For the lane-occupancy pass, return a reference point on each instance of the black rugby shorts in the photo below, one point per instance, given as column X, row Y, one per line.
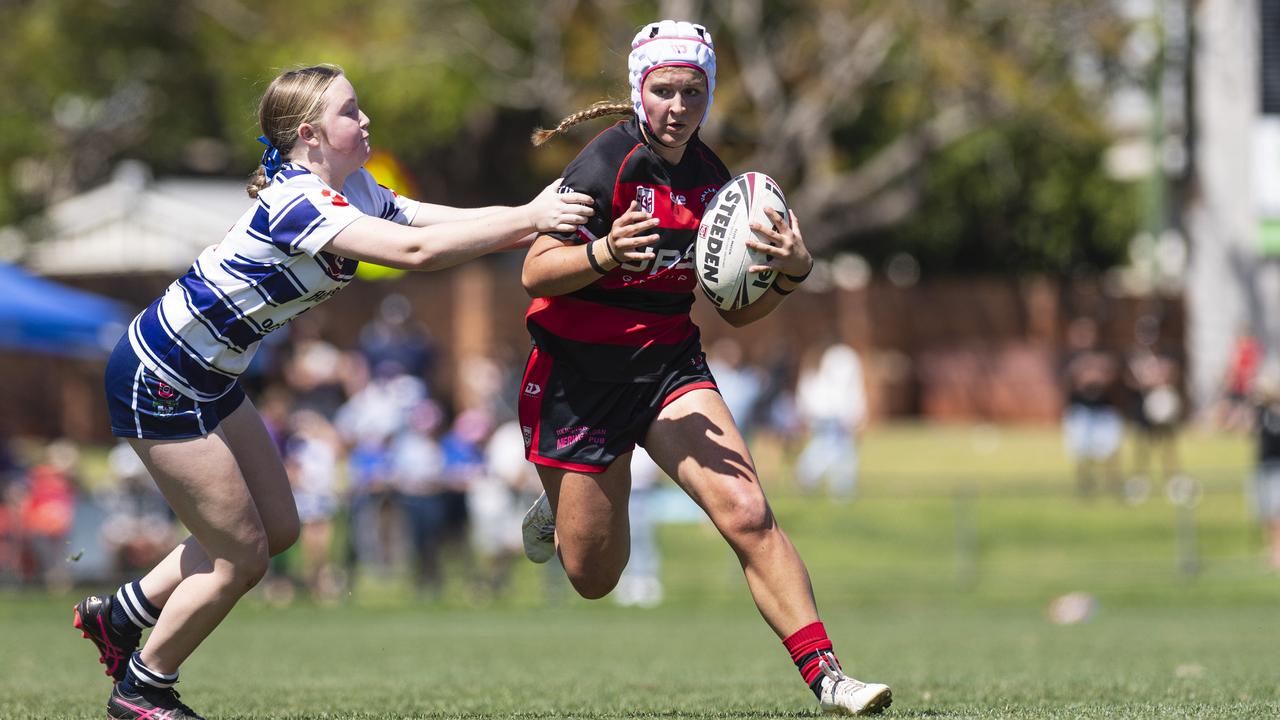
column 573, row 423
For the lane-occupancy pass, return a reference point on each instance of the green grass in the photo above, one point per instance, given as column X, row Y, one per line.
column 945, row 659
column 935, row 580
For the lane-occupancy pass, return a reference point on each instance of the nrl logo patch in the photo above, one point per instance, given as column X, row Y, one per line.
column 644, row 198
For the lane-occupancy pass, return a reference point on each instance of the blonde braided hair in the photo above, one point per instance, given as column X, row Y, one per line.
column 599, row 109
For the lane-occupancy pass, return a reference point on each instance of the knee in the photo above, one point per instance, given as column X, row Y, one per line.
column 247, row 572
column 594, row 586
column 282, row 534
column 245, row 568
column 591, row 578
column 745, row 514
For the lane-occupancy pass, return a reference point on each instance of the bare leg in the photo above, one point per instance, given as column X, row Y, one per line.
column 264, row 475
column 204, row 481
column 593, row 532
column 695, row 441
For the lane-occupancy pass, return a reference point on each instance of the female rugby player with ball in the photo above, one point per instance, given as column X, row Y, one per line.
column 172, row 387
column 617, row 359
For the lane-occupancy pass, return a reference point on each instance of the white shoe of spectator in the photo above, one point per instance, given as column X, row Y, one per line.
column 539, row 531
column 842, row 695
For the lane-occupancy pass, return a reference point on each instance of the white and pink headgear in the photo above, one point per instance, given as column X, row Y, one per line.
column 671, row 43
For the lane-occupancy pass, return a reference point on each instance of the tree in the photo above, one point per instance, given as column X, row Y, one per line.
column 969, row 133
column 953, row 129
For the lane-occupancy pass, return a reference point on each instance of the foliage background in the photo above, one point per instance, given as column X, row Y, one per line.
column 967, row 133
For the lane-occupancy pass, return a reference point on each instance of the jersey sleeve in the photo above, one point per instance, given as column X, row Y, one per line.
column 309, row 217
column 365, row 193
column 376, row 200
column 593, row 173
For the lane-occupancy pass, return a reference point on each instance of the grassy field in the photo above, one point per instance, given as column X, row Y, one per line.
column 934, row 579
column 945, row 658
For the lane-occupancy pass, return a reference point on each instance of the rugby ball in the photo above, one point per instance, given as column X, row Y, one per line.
column 720, row 251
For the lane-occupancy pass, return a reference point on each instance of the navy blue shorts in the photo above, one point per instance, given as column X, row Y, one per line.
column 141, row 405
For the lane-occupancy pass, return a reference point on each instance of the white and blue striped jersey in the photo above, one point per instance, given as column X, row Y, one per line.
column 269, row 268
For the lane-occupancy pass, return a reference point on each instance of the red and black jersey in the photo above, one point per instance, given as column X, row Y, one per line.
column 632, row 323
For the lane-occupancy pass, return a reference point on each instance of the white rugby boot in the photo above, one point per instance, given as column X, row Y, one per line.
column 842, row 695
column 538, row 530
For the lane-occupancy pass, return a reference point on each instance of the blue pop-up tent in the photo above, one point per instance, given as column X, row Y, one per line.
column 39, row 315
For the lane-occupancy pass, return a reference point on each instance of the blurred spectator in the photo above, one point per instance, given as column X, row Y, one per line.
column 1235, row 407
column 417, row 473
column 10, row 498
column 481, row 386
column 1092, row 425
column 46, row 513
column 464, row 462
column 831, row 400
column 775, row 409
column 139, row 527
column 510, row 361
column 740, row 384
column 313, row 369
column 1267, row 478
column 641, row 581
column 392, row 338
column 379, row 408
column 312, row 455
column 1157, row 413
column 371, row 510
column 367, row 422
column 276, row 406
column 496, row 501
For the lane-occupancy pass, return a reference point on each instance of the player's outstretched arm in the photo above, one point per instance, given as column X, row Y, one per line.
column 555, row 267
column 429, row 214
column 788, row 256
column 445, row 244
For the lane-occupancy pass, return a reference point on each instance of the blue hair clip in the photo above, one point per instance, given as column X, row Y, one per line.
column 271, row 160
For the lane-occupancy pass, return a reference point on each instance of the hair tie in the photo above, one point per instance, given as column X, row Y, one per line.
column 271, row 161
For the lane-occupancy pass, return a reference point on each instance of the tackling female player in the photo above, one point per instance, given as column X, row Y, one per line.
column 172, row 386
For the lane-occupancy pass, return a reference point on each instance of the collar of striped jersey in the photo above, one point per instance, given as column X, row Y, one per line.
column 290, row 170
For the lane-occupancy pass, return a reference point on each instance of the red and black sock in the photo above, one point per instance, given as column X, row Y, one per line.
column 808, row 647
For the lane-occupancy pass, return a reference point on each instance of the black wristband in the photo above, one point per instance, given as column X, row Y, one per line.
column 778, row 289
column 797, row 279
column 609, row 247
column 591, row 257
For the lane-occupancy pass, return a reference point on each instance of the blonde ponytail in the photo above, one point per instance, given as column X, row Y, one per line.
column 257, row 181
